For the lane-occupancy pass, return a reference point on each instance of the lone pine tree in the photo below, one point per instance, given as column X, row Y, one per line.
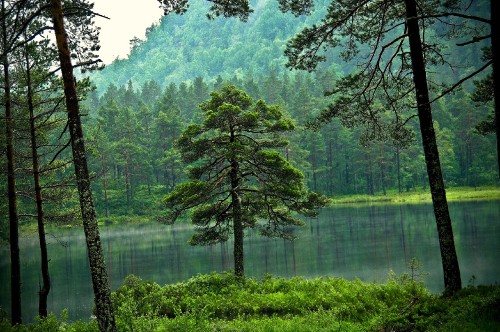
column 238, row 178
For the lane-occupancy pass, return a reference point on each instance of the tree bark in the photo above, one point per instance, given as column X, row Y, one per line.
column 15, row 269
column 43, row 293
column 451, row 270
column 102, row 293
column 105, row 184
column 237, row 218
column 495, row 45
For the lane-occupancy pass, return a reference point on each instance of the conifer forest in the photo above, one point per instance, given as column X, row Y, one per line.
column 239, row 119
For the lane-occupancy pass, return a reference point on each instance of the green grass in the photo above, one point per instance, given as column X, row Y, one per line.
column 223, row 302
column 421, row 196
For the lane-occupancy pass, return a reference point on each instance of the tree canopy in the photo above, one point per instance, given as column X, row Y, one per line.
column 238, row 179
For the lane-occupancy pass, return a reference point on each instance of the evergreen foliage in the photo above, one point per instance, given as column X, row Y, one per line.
column 238, row 179
column 332, row 159
column 181, row 48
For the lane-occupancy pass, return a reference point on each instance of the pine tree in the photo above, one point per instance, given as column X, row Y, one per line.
column 237, row 179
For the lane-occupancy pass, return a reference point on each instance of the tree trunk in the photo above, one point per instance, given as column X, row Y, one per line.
column 451, row 270
column 495, row 45
column 43, row 293
column 398, row 164
column 105, row 185
column 104, row 308
column 127, row 182
column 15, row 269
column 382, row 171
column 237, row 217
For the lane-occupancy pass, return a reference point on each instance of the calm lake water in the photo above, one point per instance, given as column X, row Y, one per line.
column 351, row 242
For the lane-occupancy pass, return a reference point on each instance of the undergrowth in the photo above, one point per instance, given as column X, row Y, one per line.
column 224, row 302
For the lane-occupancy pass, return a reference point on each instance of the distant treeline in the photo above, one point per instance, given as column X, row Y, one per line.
column 133, row 131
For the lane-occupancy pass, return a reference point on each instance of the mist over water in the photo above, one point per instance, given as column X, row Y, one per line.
column 365, row 242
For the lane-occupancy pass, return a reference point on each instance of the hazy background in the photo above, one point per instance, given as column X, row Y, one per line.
column 128, row 19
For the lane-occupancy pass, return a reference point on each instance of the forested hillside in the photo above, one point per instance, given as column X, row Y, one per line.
column 182, row 47
column 144, row 102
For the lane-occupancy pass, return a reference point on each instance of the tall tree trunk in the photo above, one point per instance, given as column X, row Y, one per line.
column 105, row 185
column 495, row 45
column 398, row 165
column 382, row 171
column 237, row 218
column 102, row 293
column 43, row 293
column 451, row 270
column 15, row 268
column 127, row 182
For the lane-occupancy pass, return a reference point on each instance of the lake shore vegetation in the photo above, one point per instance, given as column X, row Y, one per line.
column 224, row 302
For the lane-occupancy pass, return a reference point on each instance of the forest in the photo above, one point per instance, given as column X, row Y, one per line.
column 241, row 116
column 137, row 115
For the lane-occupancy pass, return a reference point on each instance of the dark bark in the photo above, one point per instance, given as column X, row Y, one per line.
column 43, row 293
column 451, row 270
column 495, row 45
column 102, row 293
column 15, row 268
column 237, row 217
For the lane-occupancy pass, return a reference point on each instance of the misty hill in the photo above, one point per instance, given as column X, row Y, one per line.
column 180, row 48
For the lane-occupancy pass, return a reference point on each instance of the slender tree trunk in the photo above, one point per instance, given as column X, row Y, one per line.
column 495, row 45
column 237, row 218
column 43, row 293
column 105, row 185
column 330, row 163
column 398, row 162
column 382, row 171
column 172, row 158
column 127, row 182
column 15, row 268
column 102, row 293
column 451, row 270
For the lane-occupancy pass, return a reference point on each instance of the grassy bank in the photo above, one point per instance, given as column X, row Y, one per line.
column 222, row 302
column 421, row 196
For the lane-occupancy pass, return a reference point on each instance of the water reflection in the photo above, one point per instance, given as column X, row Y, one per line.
column 351, row 242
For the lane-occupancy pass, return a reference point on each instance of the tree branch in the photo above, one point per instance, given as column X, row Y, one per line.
column 454, row 86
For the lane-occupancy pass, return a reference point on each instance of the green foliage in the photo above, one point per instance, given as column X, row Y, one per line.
column 224, row 302
column 181, row 48
column 51, row 324
column 225, row 296
column 236, row 171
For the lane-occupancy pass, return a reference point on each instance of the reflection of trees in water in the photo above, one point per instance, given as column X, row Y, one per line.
column 348, row 242
column 403, row 240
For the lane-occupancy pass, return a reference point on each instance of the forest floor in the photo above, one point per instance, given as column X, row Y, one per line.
column 223, row 302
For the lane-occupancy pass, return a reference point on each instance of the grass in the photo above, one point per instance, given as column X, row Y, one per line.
column 421, row 196
column 223, row 302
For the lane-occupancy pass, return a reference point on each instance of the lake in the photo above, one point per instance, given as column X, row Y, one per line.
column 365, row 242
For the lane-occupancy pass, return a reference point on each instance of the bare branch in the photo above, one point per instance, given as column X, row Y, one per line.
column 454, row 86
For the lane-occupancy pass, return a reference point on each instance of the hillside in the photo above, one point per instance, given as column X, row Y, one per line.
column 180, row 48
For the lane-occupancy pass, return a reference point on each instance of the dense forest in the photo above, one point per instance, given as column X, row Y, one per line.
column 143, row 103
column 134, row 130
column 364, row 97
